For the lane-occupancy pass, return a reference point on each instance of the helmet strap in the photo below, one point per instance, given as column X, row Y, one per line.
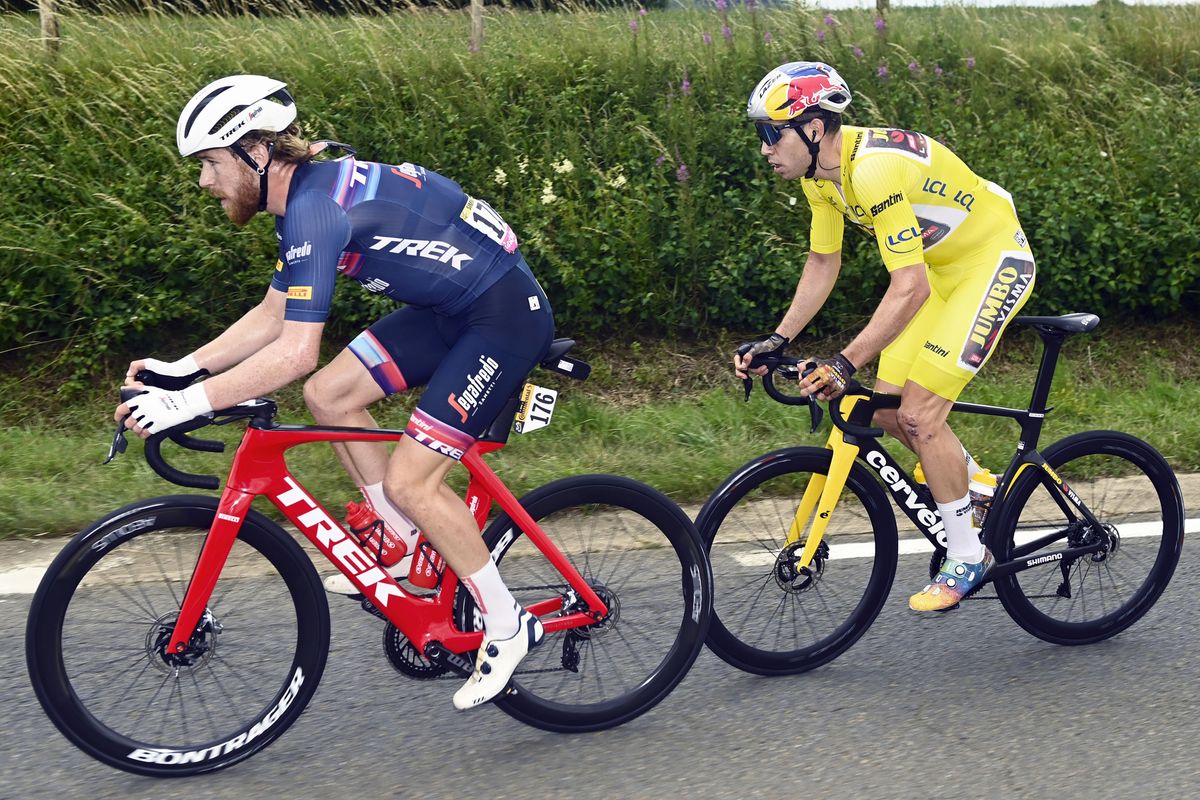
column 240, row 152
column 814, row 148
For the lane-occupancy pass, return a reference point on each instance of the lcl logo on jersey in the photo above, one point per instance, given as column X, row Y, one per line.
column 424, row 248
column 898, row 243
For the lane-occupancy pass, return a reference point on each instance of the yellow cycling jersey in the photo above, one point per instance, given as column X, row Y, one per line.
column 918, row 199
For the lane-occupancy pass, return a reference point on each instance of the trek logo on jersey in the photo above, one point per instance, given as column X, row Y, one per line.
column 299, row 293
column 298, row 251
column 410, row 172
column 424, row 248
column 891, row 201
column 905, row 241
column 376, row 285
column 1012, row 279
column 479, row 386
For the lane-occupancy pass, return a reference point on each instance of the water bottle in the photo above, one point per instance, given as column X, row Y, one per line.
column 427, row 565
column 982, row 489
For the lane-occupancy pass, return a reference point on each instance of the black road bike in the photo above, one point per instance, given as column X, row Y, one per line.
column 1086, row 533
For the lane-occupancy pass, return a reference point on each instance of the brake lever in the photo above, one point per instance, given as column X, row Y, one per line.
column 119, row 443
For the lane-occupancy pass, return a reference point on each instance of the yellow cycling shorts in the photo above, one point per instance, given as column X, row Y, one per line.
column 970, row 304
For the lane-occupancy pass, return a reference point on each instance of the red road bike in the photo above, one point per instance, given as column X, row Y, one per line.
column 185, row 633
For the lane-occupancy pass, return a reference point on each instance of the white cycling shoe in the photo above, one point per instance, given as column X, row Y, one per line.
column 497, row 660
column 340, row 584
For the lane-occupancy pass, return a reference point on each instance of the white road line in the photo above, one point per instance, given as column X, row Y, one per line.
column 759, row 557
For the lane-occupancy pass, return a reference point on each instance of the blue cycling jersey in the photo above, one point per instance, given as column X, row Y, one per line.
column 402, row 231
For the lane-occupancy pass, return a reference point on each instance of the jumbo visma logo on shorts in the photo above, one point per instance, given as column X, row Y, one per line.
column 1008, row 285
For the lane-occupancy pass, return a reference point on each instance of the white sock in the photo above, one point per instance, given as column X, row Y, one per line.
column 497, row 605
column 401, row 525
column 962, row 540
column 972, row 464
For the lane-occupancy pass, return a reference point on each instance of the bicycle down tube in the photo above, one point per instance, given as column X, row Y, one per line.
column 261, row 453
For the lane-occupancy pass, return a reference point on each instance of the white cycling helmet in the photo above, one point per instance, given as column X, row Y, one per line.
column 791, row 89
column 229, row 108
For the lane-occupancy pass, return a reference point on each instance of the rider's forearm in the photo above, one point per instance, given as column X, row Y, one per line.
column 256, row 329
column 812, row 290
column 899, row 305
column 279, row 363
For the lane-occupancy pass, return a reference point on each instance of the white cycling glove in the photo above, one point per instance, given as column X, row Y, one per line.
column 158, row 410
column 175, row 369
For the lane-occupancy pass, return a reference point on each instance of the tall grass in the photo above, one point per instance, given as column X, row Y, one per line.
column 619, row 155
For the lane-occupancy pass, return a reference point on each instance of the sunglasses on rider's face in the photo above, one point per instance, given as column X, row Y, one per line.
column 770, row 133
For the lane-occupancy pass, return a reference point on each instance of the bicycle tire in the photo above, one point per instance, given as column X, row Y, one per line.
column 641, row 553
column 98, row 623
column 744, row 527
column 1139, row 504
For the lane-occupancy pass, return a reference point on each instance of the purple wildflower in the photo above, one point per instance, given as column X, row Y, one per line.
column 658, row 162
column 880, row 24
column 722, row 5
column 970, row 62
column 937, row 70
column 682, row 173
column 686, row 87
column 727, row 32
column 820, row 36
column 830, row 21
column 914, row 67
column 642, row 11
column 883, row 71
column 750, row 5
column 633, row 26
column 858, row 53
column 767, row 37
column 707, row 39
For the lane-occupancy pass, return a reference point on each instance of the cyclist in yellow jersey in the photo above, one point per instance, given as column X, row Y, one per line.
column 959, row 269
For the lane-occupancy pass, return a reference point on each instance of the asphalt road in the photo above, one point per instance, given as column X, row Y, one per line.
column 959, row 704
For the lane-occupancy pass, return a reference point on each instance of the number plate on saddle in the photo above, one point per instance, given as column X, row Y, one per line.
column 537, row 406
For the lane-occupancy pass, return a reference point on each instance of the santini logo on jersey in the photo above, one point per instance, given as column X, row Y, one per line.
column 424, row 248
column 891, row 201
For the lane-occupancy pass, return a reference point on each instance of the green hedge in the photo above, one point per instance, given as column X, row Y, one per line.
column 642, row 203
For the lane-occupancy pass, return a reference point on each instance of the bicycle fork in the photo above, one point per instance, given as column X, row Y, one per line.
column 822, row 495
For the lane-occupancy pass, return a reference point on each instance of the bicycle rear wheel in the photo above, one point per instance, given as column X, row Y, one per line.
column 100, row 620
column 769, row 617
column 641, row 554
column 1133, row 493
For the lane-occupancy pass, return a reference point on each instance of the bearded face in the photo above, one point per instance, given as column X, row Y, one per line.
column 230, row 180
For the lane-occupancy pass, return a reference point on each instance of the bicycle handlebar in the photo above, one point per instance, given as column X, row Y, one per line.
column 791, row 368
column 263, row 409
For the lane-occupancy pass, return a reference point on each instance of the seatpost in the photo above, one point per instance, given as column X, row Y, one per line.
column 1052, row 342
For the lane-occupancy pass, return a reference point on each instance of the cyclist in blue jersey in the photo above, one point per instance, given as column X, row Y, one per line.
column 475, row 322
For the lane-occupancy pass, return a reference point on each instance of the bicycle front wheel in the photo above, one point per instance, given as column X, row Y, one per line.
column 772, row 617
column 1133, row 494
column 640, row 553
column 104, row 612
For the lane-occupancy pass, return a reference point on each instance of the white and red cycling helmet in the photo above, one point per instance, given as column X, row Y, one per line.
column 790, row 90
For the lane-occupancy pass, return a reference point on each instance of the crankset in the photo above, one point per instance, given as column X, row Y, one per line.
column 794, row 579
column 407, row 659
